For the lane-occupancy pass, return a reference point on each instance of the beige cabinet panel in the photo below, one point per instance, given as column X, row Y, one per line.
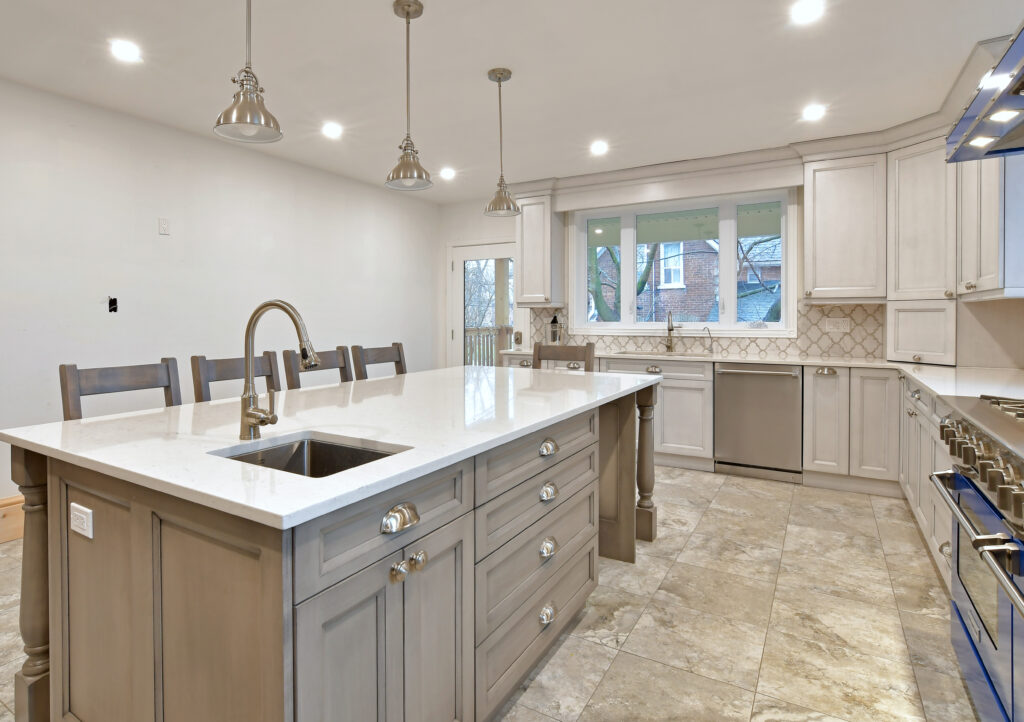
column 875, row 402
column 921, row 331
column 921, row 225
column 683, row 418
column 827, row 419
column 979, row 224
column 844, row 227
column 540, row 242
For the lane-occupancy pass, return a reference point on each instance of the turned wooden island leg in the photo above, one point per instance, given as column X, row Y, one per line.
column 646, row 512
column 32, row 682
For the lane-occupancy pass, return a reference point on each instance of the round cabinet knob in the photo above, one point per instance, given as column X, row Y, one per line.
column 526, row 363
column 916, row 357
column 548, row 492
column 911, row 413
column 970, row 285
column 949, row 294
column 399, row 571
column 548, row 548
column 547, row 614
column 916, row 395
column 548, row 447
column 807, row 293
column 946, row 550
column 418, row 560
column 654, row 369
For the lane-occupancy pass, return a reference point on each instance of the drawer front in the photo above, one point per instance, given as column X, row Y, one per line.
column 508, row 577
column 502, row 518
column 509, row 654
column 919, row 398
column 524, row 361
column 670, row 369
column 500, row 469
column 332, row 547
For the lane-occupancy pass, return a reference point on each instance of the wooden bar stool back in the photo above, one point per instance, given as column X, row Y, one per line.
column 363, row 357
column 210, row 370
column 337, row 359
column 76, row 383
column 573, row 354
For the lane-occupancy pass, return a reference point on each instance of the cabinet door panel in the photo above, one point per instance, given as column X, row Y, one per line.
column 348, row 649
column 921, row 331
column 844, row 227
column 439, row 626
column 683, row 422
column 979, row 225
column 922, row 223
column 827, row 419
column 874, row 423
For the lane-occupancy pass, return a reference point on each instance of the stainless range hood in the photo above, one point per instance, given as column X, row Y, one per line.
column 993, row 124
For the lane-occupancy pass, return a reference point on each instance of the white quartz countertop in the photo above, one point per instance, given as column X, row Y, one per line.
column 445, row 416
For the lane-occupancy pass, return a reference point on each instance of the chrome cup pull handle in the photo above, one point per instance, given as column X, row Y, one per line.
column 399, row 518
column 825, row 371
column 526, row 363
column 548, row 447
column 652, row 369
column 573, row 366
column 548, row 548
column 548, row 492
column 547, row 614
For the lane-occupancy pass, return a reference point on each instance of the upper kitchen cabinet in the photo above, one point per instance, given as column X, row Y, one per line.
column 921, row 331
column 844, row 228
column 990, row 200
column 540, row 244
column 921, row 225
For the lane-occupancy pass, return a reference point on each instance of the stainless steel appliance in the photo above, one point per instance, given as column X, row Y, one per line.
column 986, row 495
column 758, row 420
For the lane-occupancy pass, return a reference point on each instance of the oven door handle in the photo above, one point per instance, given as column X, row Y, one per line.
column 994, row 550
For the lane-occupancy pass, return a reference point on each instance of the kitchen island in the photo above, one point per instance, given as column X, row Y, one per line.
column 169, row 581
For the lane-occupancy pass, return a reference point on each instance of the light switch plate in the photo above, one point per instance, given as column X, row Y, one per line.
column 81, row 519
column 838, row 325
column 163, row 226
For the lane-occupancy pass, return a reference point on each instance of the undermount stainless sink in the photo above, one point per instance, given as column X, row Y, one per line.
column 311, row 456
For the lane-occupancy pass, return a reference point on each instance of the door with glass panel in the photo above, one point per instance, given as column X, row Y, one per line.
column 481, row 298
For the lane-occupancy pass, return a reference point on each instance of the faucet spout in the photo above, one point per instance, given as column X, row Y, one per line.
column 711, row 341
column 669, row 341
column 254, row 417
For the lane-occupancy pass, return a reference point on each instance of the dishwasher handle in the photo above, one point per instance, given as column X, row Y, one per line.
column 741, row 372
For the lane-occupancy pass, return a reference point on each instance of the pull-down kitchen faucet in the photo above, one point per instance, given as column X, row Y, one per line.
column 670, row 343
column 711, row 341
column 254, row 417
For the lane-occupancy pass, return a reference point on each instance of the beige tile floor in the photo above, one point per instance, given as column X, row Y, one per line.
column 759, row 601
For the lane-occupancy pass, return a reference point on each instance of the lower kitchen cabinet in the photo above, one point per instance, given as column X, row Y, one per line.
column 683, row 420
column 827, row 419
column 874, row 423
column 395, row 640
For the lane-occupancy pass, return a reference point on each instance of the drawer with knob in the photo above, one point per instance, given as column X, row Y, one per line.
column 670, row 368
column 508, row 655
column 336, row 545
column 508, row 576
column 505, row 467
column 505, row 516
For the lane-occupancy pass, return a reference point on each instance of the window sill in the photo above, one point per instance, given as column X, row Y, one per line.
column 671, row 287
column 687, row 332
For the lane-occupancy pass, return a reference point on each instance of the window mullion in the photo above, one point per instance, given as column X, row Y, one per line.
column 727, row 264
column 628, row 278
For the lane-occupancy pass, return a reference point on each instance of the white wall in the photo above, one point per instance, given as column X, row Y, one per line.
column 80, row 192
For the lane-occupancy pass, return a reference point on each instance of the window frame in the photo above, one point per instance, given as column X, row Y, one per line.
column 579, row 322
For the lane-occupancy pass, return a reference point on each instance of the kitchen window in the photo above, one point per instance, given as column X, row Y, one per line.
column 722, row 262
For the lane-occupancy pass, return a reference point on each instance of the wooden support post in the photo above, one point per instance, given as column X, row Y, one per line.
column 646, row 512
column 617, row 486
column 32, row 682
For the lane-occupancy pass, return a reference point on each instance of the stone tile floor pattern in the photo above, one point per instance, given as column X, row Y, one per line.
column 759, row 601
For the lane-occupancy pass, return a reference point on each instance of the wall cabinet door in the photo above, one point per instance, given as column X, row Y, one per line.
column 844, row 228
column 683, row 421
column 827, row 419
column 979, row 224
column 921, row 331
column 875, row 403
column 921, row 223
column 348, row 649
column 540, row 240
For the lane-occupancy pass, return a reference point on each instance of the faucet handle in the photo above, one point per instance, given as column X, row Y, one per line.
column 271, row 417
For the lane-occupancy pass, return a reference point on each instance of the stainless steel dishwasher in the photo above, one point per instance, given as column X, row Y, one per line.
column 759, row 420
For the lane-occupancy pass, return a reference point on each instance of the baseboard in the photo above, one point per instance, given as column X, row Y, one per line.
column 12, row 518
column 684, row 462
column 840, row 482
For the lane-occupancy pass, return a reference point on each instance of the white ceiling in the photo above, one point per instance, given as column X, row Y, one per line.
column 660, row 80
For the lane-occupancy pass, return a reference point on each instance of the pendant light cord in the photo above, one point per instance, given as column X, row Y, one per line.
column 501, row 136
column 248, row 33
column 408, row 104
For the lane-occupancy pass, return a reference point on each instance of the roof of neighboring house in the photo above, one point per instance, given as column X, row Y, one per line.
column 764, row 250
column 755, row 306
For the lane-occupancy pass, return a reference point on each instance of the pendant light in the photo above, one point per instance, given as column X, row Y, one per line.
column 247, row 118
column 408, row 175
column 503, row 204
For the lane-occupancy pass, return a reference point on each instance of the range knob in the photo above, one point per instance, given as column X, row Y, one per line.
column 995, row 478
column 1004, row 497
column 1017, row 497
column 946, row 431
column 955, row 444
column 968, row 453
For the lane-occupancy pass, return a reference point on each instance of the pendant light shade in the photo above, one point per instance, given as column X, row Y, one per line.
column 247, row 118
column 502, row 204
column 408, row 175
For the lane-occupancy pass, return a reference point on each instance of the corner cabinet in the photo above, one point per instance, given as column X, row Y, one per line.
column 844, row 228
column 922, row 223
column 540, row 254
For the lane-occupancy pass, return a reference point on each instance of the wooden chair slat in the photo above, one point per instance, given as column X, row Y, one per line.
column 363, row 357
column 336, row 359
column 76, row 383
column 206, row 371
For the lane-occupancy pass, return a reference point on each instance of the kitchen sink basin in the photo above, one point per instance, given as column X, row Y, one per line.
column 312, row 456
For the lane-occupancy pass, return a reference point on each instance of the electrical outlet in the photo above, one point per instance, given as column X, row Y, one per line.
column 163, row 226
column 81, row 519
column 838, row 325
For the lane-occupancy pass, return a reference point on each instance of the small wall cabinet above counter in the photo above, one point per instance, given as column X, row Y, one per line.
column 540, row 246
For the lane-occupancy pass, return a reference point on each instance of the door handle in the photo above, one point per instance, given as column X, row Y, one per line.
column 399, row 518
column 742, row 372
column 825, row 371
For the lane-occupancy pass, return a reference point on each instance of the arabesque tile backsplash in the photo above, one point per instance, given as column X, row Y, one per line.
column 865, row 340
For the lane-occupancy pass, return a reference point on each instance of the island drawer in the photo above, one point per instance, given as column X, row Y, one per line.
column 337, row 545
column 508, row 577
column 666, row 367
column 508, row 655
column 502, row 518
column 500, row 469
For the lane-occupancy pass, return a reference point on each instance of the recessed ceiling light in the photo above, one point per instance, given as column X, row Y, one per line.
column 1004, row 116
column 126, row 51
column 598, row 231
column 994, row 82
column 332, row 130
column 814, row 111
column 598, row 147
column 804, row 12
column 982, row 141
column 447, row 173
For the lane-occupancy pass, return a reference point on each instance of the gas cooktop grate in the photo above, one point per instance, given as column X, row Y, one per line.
column 1013, row 407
